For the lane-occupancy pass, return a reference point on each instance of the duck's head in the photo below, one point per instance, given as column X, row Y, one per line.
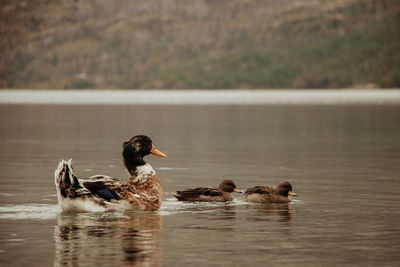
column 136, row 148
column 142, row 145
column 285, row 189
column 228, row 186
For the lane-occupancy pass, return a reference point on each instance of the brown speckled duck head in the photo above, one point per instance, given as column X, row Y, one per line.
column 285, row 189
column 228, row 186
column 136, row 149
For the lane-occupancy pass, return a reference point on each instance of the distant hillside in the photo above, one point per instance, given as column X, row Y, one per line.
column 63, row 44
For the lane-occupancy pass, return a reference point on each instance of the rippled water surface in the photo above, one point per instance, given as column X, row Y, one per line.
column 343, row 162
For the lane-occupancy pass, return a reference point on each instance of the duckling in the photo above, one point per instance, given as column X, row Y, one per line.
column 262, row 194
column 142, row 191
column 208, row 194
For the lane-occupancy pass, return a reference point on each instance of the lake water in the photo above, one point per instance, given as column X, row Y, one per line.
column 343, row 161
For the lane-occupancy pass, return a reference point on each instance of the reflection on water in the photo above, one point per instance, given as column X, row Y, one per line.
column 343, row 161
column 137, row 237
column 90, row 239
column 280, row 212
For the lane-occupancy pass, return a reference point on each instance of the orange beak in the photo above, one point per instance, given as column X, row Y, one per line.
column 157, row 152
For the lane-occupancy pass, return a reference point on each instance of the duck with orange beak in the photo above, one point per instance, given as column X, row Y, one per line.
column 142, row 191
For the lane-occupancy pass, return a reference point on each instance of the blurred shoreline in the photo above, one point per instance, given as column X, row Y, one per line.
column 204, row 44
column 201, row 97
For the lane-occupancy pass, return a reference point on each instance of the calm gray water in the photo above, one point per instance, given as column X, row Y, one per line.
column 343, row 161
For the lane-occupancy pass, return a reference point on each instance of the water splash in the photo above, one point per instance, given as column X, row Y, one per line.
column 9, row 194
column 29, row 211
column 170, row 206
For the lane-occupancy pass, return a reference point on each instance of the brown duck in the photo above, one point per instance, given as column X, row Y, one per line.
column 270, row 194
column 209, row 194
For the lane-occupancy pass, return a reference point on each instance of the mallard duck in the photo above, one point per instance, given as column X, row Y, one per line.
column 142, row 191
column 209, row 194
column 261, row 194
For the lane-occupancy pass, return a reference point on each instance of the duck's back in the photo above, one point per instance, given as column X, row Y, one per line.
column 204, row 194
column 263, row 194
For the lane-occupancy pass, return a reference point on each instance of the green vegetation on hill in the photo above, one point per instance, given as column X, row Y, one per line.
column 200, row 44
column 363, row 57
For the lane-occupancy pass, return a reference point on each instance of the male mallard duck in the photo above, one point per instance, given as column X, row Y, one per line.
column 209, row 194
column 142, row 191
column 261, row 194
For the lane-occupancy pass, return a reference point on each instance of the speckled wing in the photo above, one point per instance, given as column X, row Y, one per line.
column 264, row 190
column 194, row 193
column 102, row 186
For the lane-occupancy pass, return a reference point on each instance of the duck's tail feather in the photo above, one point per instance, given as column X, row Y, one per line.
column 65, row 178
